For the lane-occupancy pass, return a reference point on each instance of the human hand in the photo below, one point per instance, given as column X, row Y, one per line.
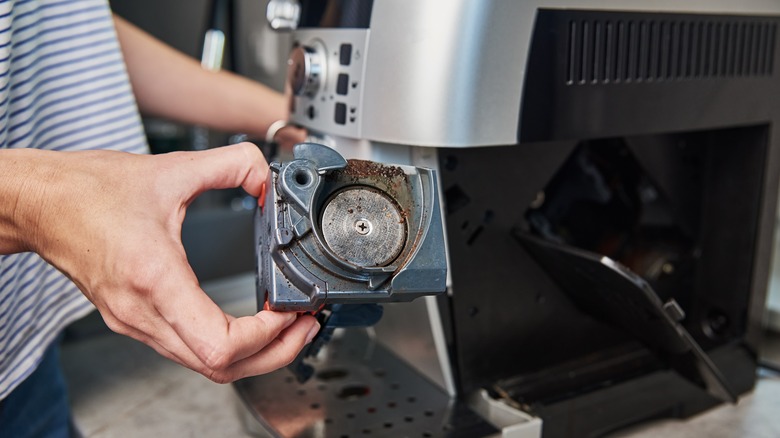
column 111, row 222
column 288, row 136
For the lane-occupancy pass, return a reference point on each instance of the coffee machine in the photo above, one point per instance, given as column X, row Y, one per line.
column 608, row 173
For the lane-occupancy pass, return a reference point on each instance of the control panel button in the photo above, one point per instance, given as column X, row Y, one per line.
column 345, row 54
column 342, row 84
column 341, row 113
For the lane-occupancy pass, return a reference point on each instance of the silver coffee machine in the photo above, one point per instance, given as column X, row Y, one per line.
column 608, row 173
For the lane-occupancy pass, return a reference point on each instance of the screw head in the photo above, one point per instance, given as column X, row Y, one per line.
column 363, row 227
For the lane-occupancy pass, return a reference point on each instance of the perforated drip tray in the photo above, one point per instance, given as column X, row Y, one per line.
column 360, row 389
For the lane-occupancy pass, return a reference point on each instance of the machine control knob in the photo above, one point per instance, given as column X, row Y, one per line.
column 283, row 14
column 305, row 71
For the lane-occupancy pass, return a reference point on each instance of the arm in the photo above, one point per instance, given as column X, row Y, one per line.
column 111, row 222
column 171, row 85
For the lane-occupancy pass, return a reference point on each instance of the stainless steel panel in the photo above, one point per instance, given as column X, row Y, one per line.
column 360, row 389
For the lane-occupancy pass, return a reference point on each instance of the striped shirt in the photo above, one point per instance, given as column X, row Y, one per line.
column 63, row 86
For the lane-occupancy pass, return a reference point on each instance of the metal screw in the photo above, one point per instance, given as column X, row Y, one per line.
column 363, row 227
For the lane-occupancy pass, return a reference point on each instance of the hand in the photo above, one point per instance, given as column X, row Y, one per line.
column 289, row 136
column 111, row 222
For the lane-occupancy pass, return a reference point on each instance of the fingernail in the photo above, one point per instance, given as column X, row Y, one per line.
column 261, row 198
column 313, row 332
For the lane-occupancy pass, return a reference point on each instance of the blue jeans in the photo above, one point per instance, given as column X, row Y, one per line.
column 38, row 407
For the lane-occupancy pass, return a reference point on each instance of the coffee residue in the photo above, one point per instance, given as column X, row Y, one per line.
column 363, row 169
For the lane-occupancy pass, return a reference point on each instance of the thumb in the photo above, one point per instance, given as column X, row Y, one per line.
column 225, row 167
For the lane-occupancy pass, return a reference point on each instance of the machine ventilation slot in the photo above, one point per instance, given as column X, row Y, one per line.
column 625, row 51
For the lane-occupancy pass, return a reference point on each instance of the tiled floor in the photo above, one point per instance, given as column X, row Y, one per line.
column 121, row 388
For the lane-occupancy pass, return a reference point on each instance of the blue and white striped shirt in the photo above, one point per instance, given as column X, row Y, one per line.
column 63, row 86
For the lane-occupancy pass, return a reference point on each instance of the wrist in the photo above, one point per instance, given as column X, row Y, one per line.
column 273, row 129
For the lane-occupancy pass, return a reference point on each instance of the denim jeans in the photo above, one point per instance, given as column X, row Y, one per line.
column 38, row 407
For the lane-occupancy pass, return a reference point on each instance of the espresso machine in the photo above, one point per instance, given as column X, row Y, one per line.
column 608, row 176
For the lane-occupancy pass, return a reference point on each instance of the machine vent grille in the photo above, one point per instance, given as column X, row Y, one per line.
column 625, row 51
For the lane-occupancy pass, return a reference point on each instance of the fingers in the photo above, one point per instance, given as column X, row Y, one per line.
column 217, row 340
column 275, row 341
column 280, row 338
column 246, row 336
column 279, row 353
column 266, row 342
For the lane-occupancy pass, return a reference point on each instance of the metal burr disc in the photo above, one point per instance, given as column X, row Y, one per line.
column 364, row 227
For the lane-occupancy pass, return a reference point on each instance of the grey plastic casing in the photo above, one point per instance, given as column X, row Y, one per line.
column 297, row 271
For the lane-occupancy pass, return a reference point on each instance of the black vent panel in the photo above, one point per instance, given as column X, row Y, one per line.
column 627, row 51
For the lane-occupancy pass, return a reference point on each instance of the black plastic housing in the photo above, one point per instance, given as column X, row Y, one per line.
column 689, row 102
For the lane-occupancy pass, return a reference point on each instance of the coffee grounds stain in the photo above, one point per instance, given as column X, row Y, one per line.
column 366, row 169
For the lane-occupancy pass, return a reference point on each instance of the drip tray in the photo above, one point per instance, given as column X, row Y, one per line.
column 359, row 389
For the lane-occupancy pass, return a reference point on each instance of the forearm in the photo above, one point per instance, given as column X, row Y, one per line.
column 20, row 191
column 172, row 85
